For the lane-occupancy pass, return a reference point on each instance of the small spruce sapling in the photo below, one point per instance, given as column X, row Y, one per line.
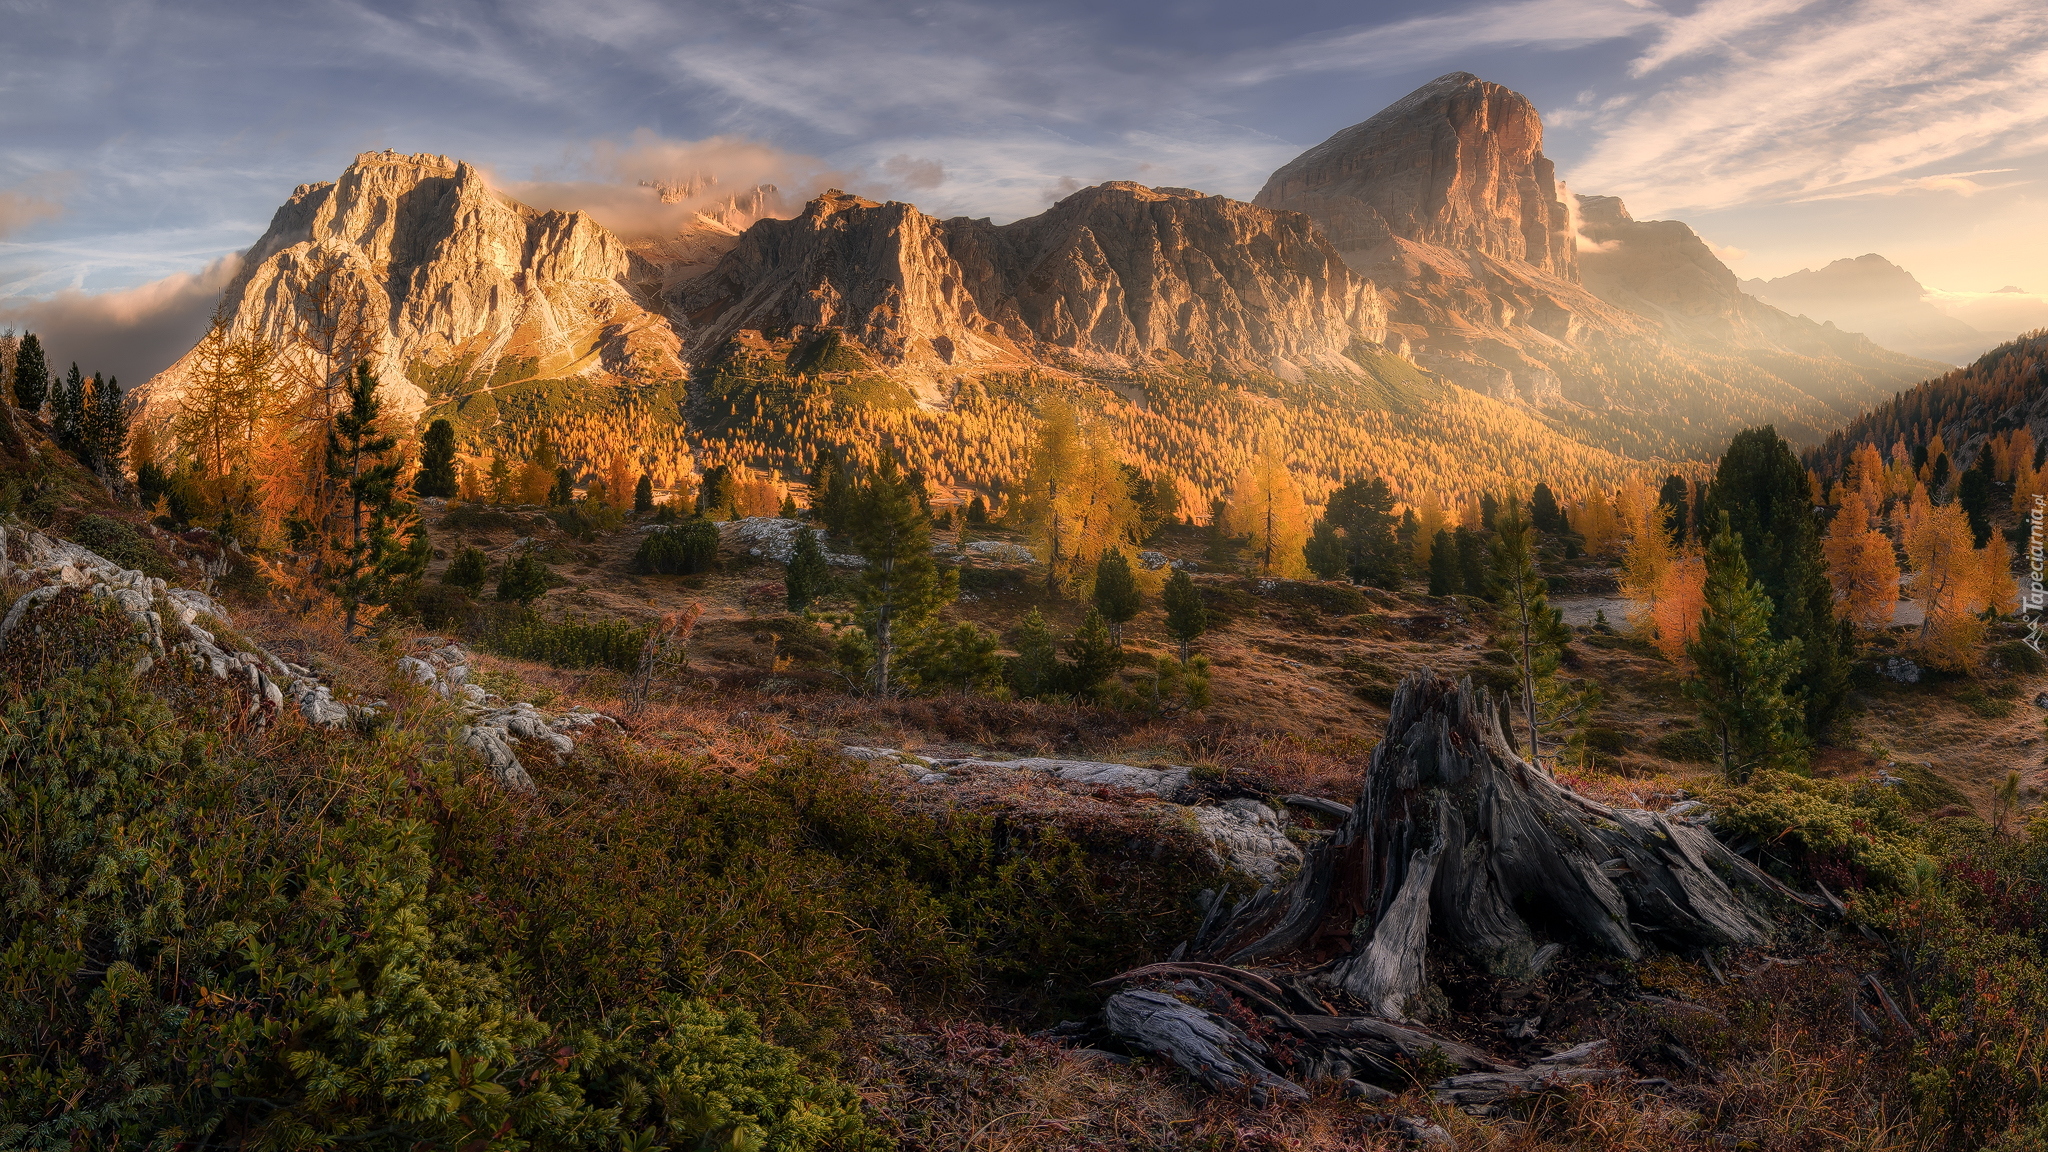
column 807, row 575
column 1117, row 595
column 1186, row 618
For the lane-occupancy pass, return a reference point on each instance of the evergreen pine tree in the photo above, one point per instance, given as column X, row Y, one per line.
column 468, row 571
column 31, row 374
column 901, row 587
column 1471, row 562
column 643, row 494
column 1363, row 510
column 109, row 427
column 717, row 494
column 1535, row 632
column 1116, row 593
column 1034, row 670
column 806, row 575
column 523, row 579
column 1093, row 656
column 499, row 481
column 563, row 492
column 437, row 461
column 379, row 546
column 1739, row 670
column 977, row 512
column 787, row 510
column 1973, row 494
column 1186, row 618
column 1325, row 551
column 67, row 410
column 1544, row 513
column 1488, row 509
column 1222, row 545
column 1763, row 488
column 1673, row 495
column 1444, row 577
column 1938, row 479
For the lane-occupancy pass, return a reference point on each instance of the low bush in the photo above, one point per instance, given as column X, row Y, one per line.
column 1983, row 703
column 477, row 516
column 1688, row 746
column 119, row 541
column 2016, row 657
column 1848, row 836
column 570, row 643
column 681, row 550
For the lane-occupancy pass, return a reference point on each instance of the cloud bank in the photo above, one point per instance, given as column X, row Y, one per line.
column 131, row 334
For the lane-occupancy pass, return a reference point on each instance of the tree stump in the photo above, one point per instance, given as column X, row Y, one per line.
column 1454, row 839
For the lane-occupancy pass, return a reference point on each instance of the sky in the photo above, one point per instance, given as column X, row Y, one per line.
column 143, row 144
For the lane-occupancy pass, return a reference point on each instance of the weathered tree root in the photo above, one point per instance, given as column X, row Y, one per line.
column 1454, row 840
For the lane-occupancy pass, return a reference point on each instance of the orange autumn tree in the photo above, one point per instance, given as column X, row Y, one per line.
column 1862, row 566
column 1679, row 600
column 1953, row 582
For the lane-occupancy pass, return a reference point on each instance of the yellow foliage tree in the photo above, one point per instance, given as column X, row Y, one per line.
column 1953, row 582
column 1598, row 524
column 1863, row 568
column 1430, row 519
column 1077, row 501
column 1680, row 599
column 1266, row 505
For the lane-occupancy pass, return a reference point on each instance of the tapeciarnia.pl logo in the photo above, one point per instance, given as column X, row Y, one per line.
column 2037, row 561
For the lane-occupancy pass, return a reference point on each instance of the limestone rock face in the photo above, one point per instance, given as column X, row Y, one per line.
column 416, row 260
column 1457, row 163
column 1446, row 203
column 1115, row 276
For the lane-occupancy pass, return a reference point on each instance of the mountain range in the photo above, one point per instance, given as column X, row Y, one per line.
column 1414, row 285
column 1873, row 295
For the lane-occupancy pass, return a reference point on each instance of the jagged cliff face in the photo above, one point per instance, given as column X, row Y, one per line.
column 1458, row 163
column 414, row 260
column 1632, row 329
column 1117, row 276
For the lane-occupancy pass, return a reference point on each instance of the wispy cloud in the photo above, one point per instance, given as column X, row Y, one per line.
column 1788, row 101
column 1538, row 23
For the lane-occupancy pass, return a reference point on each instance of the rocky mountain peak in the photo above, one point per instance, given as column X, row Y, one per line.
column 414, row 260
column 1457, row 163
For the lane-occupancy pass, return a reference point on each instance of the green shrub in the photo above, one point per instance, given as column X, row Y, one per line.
column 478, row 516
column 1983, row 703
column 524, row 579
column 1688, row 746
column 469, row 571
column 2016, row 657
column 568, row 643
column 681, row 550
column 585, row 519
column 1924, row 790
column 117, row 540
column 1850, row 835
column 244, row 956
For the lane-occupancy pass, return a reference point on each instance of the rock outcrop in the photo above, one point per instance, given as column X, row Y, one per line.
column 1458, row 163
column 1115, row 276
column 415, row 260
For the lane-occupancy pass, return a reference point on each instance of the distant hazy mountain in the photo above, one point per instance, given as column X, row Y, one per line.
column 1883, row 301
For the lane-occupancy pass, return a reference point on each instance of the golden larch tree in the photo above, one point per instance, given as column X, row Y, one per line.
column 1266, row 505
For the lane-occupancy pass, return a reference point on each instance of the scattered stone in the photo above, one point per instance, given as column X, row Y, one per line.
column 774, row 538
column 1422, row 1132
column 1247, row 835
column 1153, row 561
column 1901, row 670
column 1360, row 1090
column 1000, row 550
